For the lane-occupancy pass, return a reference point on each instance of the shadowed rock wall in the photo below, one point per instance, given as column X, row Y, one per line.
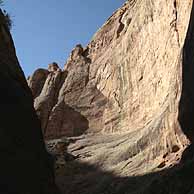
column 25, row 165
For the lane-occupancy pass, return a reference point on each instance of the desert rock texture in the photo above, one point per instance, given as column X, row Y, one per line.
column 25, row 165
column 124, row 104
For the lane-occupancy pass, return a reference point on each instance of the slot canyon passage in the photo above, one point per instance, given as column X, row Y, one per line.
column 118, row 119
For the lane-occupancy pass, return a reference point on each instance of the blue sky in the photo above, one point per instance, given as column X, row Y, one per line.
column 46, row 30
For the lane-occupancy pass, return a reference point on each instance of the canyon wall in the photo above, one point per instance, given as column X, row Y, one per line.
column 25, row 165
column 129, row 94
column 128, row 77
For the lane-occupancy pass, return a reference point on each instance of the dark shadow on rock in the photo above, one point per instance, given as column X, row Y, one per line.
column 76, row 177
column 186, row 106
column 25, row 165
column 66, row 121
column 80, row 122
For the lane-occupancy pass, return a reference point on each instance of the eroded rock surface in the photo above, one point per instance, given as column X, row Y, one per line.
column 25, row 165
column 131, row 87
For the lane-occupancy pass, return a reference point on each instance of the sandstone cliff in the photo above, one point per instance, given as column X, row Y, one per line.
column 25, row 165
column 129, row 93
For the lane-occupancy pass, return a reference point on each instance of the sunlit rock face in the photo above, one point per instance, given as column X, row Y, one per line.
column 123, row 92
column 127, row 78
column 25, row 165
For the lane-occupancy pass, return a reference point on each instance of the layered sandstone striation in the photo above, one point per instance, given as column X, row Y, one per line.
column 25, row 165
column 128, row 92
column 122, row 80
